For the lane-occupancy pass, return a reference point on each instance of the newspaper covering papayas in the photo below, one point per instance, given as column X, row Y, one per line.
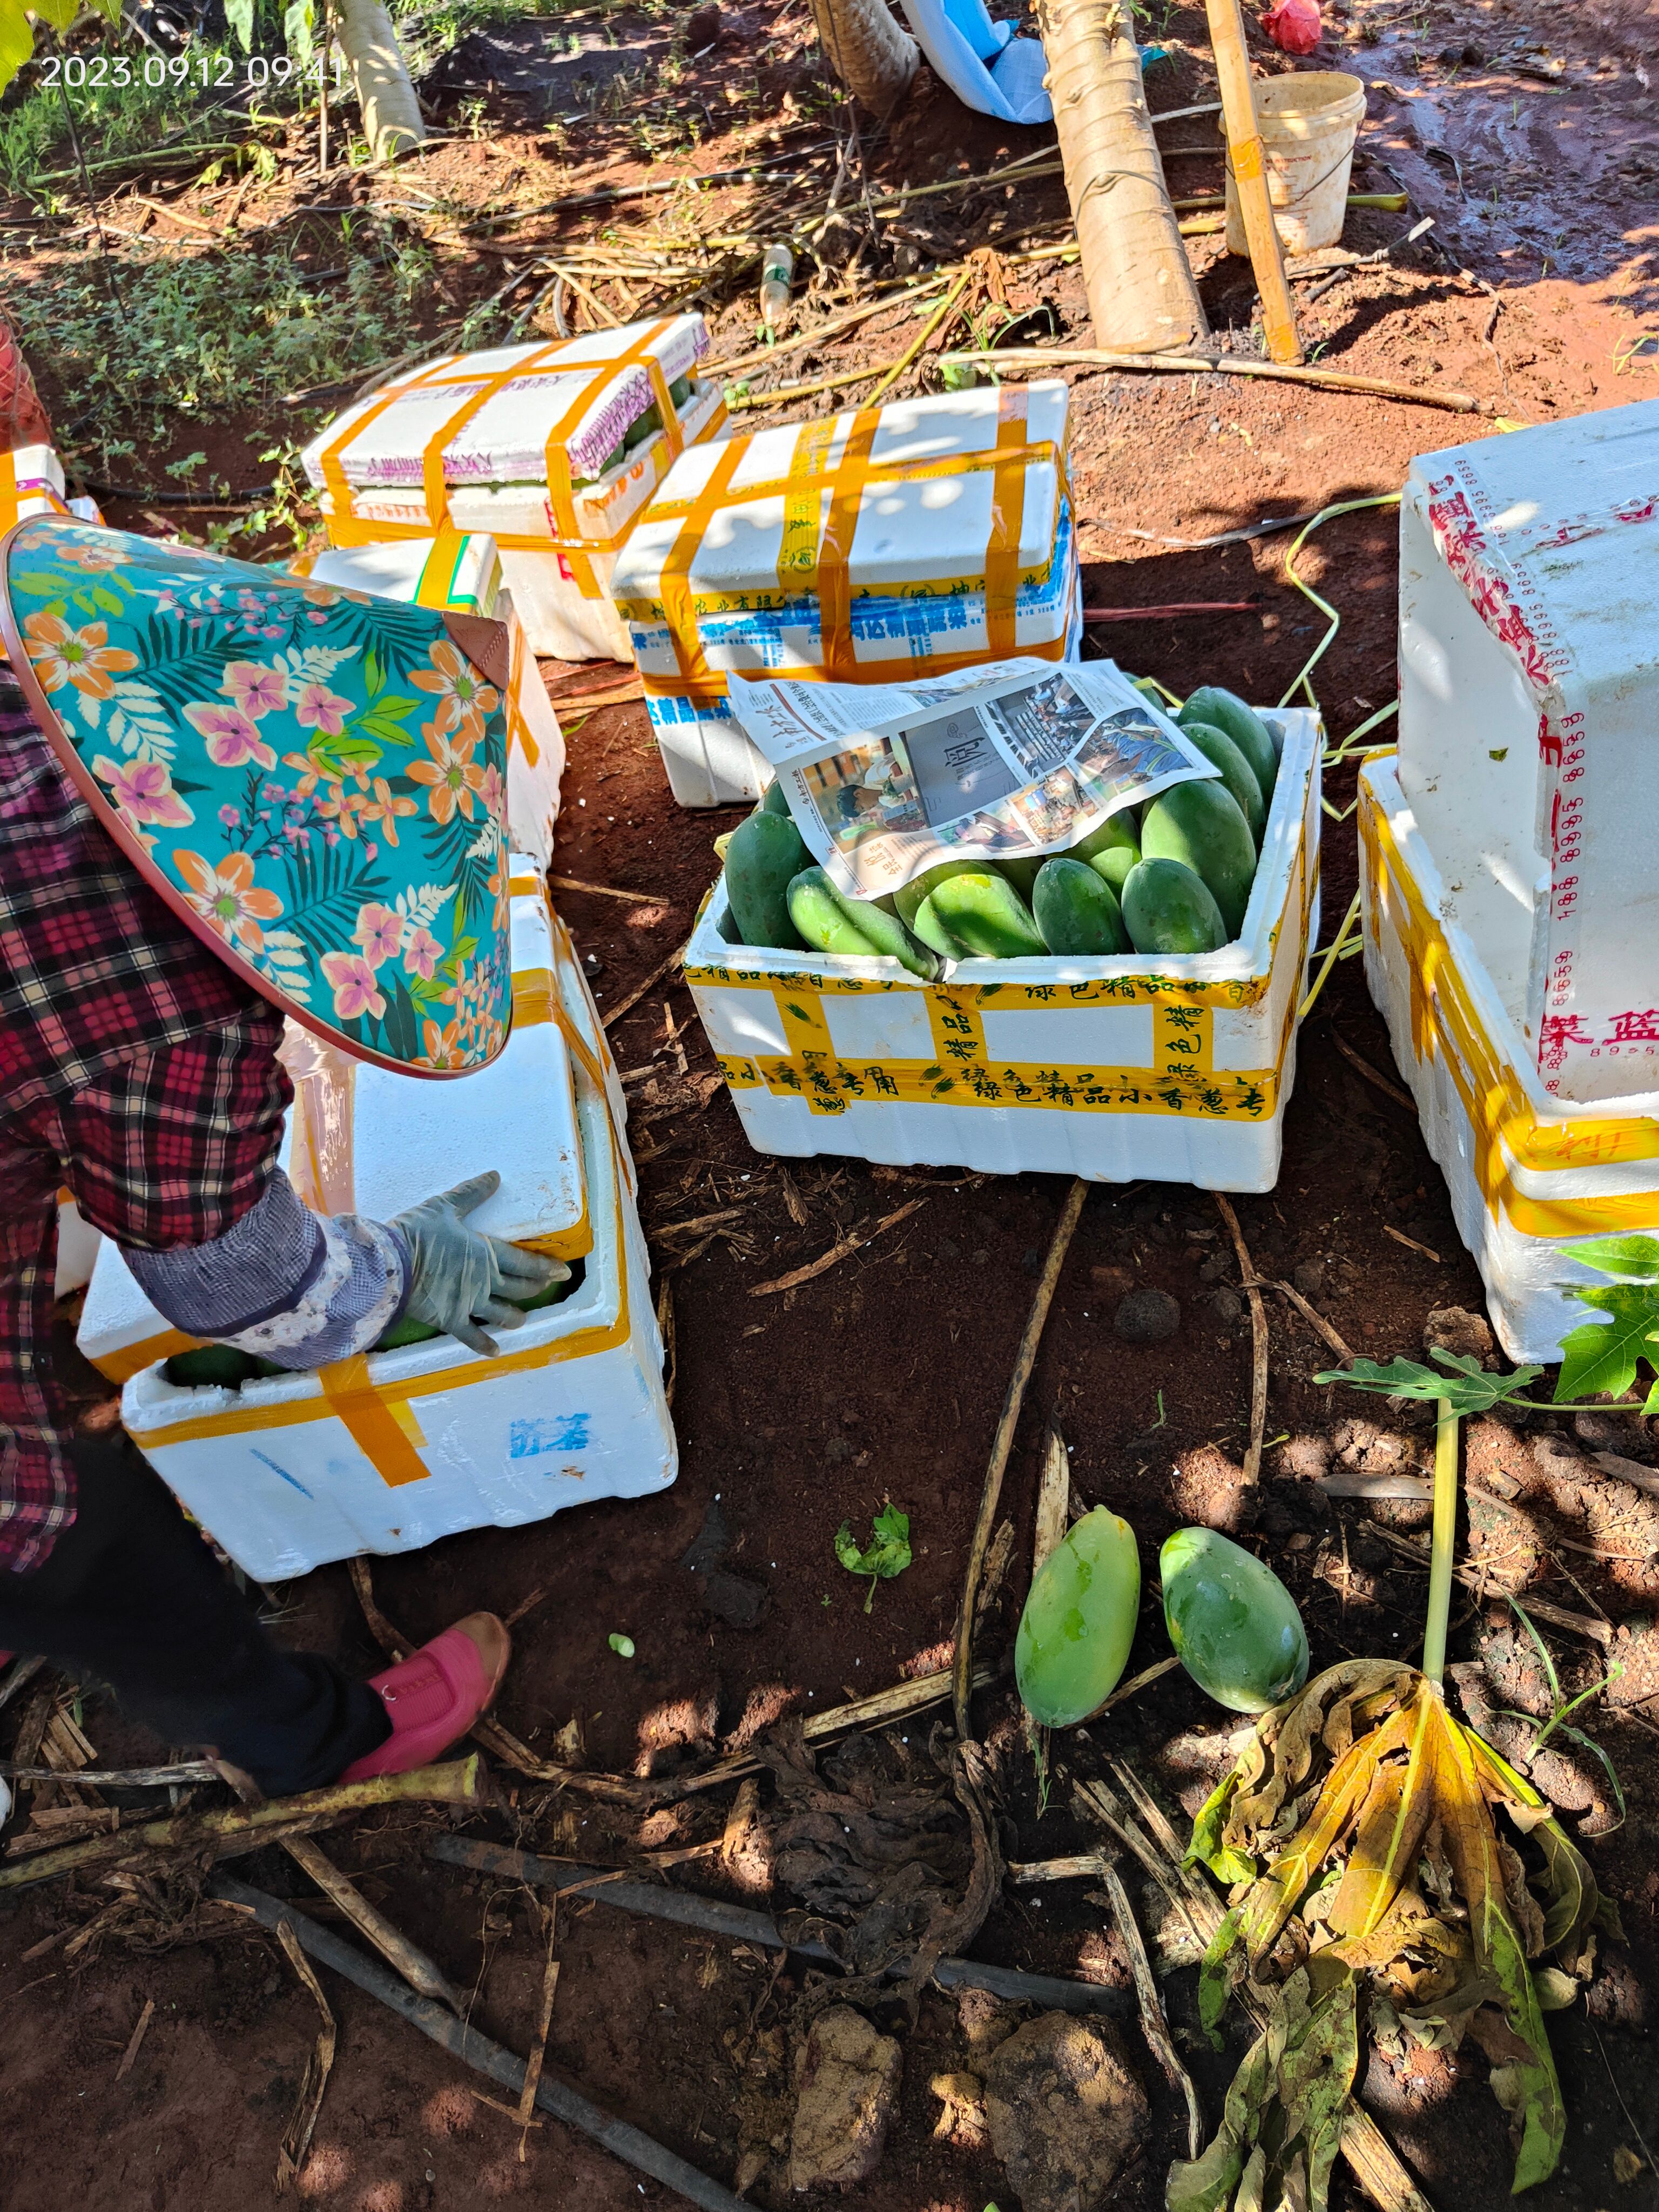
column 1009, row 762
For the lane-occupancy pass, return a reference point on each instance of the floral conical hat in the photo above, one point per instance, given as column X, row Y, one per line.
column 315, row 780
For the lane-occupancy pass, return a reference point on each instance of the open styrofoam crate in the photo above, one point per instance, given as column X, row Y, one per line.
column 425, row 1441
column 1176, row 1071
column 1529, row 1174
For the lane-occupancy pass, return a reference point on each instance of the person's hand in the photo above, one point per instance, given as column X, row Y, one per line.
column 459, row 1276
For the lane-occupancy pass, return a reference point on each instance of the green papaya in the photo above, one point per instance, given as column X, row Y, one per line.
column 830, row 921
column 1113, row 849
column 765, row 854
column 1167, row 909
column 1079, row 1621
column 726, row 925
column 1240, row 778
column 1203, row 826
column 1076, row 910
column 774, row 800
column 214, row 1366
column 983, row 911
column 1022, row 874
column 916, row 907
column 1234, row 1625
column 1226, row 711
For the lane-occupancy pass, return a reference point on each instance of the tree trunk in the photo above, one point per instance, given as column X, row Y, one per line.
column 392, row 123
column 1142, row 298
column 868, row 51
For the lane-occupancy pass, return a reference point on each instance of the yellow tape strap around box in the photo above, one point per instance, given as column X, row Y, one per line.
column 1447, row 1026
column 814, row 565
column 904, row 668
column 347, row 528
column 129, row 1360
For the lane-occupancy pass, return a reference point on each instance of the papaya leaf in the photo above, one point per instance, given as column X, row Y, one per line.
column 1637, row 1257
column 1464, row 1383
column 1215, row 1977
column 888, row 1551
column 1603, row 1356
column 1205, row 2183
column 1208, row 1848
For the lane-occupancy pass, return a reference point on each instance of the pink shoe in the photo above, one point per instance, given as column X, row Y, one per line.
column 433, row 1696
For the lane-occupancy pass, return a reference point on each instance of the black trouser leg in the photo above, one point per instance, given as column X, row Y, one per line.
column 131, row 1595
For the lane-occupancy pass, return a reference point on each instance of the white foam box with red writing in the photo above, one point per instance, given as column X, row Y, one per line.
column 1530, row 1174
column 1529, row 729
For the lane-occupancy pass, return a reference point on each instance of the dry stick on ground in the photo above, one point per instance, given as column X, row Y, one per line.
column 608, row 890
column 246, row 1828
column 1370, row 2156
column 665, row 1329
column 532, row 2072
column 1153, row 2026
column 1372, row 1075
column 844, row 1249
column 121, row 1777
column 1020, row 359
column 663, row 968
column 630, row 2144
column 990, row 1498
column 1142, row 294
column 1053, row 1497
column 421, row 1972
column 134, row 2040
column 1315, row 1321
column 296, row 2146
column 1258, row 1339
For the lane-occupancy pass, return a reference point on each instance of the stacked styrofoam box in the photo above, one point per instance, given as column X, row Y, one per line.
column 388, row 1453
column 1530, row 1174
column 1529, row 703
column 1178, row 1071
column 527, row 438
column 32, row 483
column 856, row 547
column 462, row 569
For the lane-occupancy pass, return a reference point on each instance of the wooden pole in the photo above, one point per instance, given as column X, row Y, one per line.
column 1244, row 157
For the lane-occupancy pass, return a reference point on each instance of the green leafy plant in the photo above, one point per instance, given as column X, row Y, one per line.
column 1562, row 1709
column 888, row 1551
column 621, row 1645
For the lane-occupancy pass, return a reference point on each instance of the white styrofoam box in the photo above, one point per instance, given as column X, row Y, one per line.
column 1529, row 697
column 413, row 1444
column 860, row 543
column 1112, row 1069
column 367, row 1139
column 564, row 604
column 77, row 1248
column 1530, row 1174
column 711, row 762
column 463, row 570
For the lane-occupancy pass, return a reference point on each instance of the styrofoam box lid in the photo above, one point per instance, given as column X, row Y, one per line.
column 397, row 570
column 506, row 441
column 411, row 1138
column 37, row 468
column 1571, row 509
column 935, row 529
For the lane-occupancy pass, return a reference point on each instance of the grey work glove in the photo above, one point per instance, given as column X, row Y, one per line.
column 459, row 1276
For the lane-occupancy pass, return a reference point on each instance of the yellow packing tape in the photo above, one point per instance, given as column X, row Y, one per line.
column 1447, row 1027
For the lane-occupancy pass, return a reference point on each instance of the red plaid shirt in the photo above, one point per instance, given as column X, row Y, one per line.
column 135, row 1069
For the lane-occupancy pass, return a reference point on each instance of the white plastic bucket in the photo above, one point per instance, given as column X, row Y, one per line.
column 1308, row 123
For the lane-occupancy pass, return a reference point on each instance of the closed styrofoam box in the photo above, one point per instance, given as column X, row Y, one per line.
column 1112, row 1069
column 1529, row 697
column 1530, row 1174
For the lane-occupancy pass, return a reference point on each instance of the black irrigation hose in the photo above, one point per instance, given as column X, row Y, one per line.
column 177, row 498
column 630, row 2144
column 716, row 1917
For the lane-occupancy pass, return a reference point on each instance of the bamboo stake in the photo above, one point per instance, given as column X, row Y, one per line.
column 1249, row 173
column 1059, row 1245
column 1025, row 358
column 244, row 1827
